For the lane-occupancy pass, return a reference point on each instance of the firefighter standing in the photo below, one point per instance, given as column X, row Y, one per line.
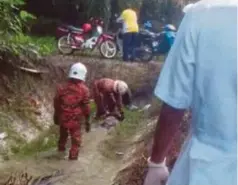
column 71, row 105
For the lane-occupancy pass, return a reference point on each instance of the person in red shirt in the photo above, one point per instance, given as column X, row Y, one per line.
column 71, row 105
column 109, row 96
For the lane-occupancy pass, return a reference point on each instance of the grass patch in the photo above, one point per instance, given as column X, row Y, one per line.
column 129, row 125
column 47, row 45
column 43, row 45
column 46, row 141
column 120, row 136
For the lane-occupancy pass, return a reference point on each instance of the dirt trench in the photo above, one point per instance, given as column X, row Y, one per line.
column 92, row 167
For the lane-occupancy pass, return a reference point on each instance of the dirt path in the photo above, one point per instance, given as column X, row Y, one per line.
column 90, row 169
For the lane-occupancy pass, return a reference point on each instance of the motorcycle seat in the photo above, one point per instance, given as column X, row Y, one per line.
column 157, row 34
column 149, row 33
column 74, row 29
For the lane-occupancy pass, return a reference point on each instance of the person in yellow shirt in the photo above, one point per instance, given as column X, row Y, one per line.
column 130, row 30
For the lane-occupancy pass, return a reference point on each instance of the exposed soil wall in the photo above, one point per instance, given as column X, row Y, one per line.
column 26, row 98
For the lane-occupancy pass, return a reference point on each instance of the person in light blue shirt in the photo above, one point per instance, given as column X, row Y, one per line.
column 200, row 73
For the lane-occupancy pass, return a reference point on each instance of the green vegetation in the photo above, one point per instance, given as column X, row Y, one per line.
column 120, row 137
column 43, row 45
column 46, row 141
column 13, row 23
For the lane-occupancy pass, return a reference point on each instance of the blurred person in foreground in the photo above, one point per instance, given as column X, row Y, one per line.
column 200, row 73
column 71, row 104
column 109, row 96
column 187, row 8
column 129, row 32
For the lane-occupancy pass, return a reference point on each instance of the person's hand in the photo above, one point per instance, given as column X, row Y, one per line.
column 55, row 118
column 88, row 127
column 121, row 118
column 157, row 173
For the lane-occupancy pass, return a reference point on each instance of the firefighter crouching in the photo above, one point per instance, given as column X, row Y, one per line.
column 109, row 96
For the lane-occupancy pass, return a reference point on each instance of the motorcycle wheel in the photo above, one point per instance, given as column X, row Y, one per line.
column 143, row 53
column 108, row 49
column 64, row 46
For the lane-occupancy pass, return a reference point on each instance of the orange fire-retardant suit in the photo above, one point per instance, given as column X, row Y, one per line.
column 107, row 98
column 72, row 109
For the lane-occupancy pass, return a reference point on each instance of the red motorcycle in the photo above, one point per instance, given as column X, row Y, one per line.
column 87, row 38
column 64, row 29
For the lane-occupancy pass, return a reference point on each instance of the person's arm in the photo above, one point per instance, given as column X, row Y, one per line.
column 119, row 19
column 167, row 126
column 118, row 101
column 175, row 87
column 86, row 108
column 56, row 108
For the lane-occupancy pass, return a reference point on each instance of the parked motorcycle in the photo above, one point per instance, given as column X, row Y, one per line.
column 154, row 44
column 78, row 39
column 142, row 51
column 64, row 29
column 149, row 44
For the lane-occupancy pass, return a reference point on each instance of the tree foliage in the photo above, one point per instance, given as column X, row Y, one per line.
column 12, row 23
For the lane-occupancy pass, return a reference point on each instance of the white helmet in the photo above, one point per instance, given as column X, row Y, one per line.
column 187, row 7
column 120, row 86
column 78, row 71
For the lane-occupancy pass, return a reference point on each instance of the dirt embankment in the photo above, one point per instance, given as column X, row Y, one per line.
column 26, row 105
column 140, row 77
column 26, row 97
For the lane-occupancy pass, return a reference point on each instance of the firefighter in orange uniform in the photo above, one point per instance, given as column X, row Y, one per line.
column 109, row 96
column 71, row 105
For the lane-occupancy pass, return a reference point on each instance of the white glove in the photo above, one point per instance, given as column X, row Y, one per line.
column 157, row 173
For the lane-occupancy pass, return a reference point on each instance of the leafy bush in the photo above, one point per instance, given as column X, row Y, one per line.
column 12, row 39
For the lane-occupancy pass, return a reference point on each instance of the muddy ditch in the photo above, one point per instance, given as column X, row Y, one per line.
column 26, row 96
column 24, row 93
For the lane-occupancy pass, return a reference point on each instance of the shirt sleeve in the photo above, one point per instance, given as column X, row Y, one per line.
column 86, row 102
column 118, row 100
column 119, row 19
column 56, row 101
column 122, row 16
column 175, row 83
